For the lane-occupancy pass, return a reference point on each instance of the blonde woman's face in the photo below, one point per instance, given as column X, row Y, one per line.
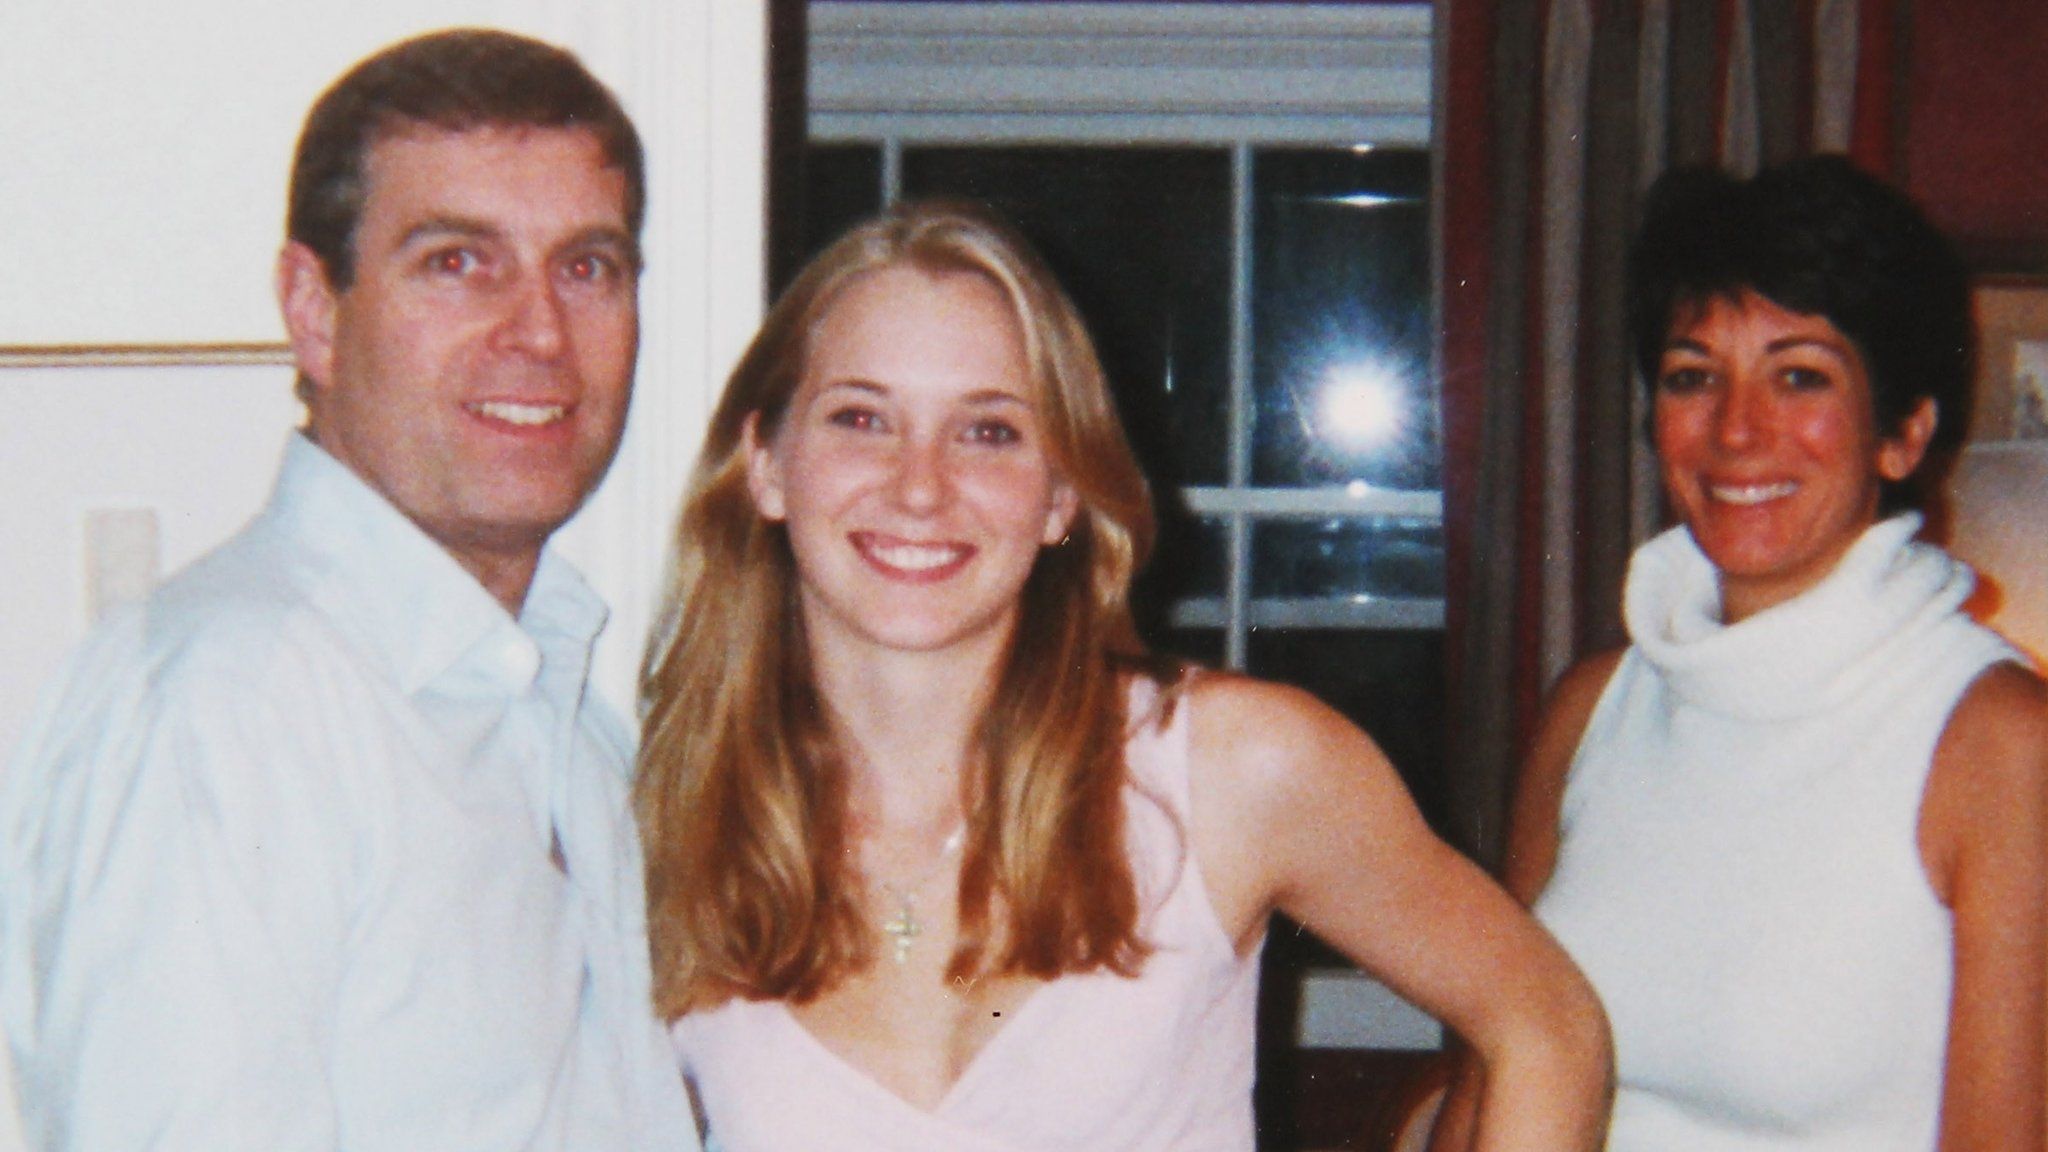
column 911, row 468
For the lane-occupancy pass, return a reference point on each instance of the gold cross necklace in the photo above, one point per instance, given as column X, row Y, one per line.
column 903, row 927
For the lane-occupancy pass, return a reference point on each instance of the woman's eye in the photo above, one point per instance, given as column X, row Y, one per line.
column 1683, row 380
column 1807, row 379
column 993, row 432
column 855, row 419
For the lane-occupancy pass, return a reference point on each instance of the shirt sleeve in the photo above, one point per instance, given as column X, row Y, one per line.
column 186, row 915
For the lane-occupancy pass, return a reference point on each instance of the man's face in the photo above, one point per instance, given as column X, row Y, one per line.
column 477, row 371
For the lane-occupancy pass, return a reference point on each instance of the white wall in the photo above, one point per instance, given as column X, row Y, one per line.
column 142, row 193
column 195, row 447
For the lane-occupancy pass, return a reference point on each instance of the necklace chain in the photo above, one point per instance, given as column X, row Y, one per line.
column 902, row 925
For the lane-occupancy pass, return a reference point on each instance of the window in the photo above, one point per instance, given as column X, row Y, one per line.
column 1238, row 198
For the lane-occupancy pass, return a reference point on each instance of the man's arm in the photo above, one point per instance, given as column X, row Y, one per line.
column 180, row 909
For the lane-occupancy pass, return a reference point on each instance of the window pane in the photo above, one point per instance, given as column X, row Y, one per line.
column 842, row 185
column 1373, row 557
column 1203, row 646
column 1141, row 239
column 1389, row 683
column 1192, row 557
column 1340, row 320
column 1184, row 585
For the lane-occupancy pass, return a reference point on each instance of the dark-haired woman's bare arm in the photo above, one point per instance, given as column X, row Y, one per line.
column 1984, row 840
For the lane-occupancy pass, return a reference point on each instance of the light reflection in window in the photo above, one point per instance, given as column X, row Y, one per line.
column 1363, row 406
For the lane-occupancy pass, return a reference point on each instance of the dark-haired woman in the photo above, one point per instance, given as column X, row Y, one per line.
column 939, row 860
column 1795, row 833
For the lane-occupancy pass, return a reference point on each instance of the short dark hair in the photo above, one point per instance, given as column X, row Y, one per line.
column 454, row 80
column 1818, row 236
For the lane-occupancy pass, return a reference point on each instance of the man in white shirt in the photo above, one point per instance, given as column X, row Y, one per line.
column 326, row 845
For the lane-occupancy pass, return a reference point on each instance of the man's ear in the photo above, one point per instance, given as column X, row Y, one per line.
column 1900, row 453
column 764, row 471
column 308, row 301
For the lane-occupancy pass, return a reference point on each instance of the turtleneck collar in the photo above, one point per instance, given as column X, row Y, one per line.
column 1801, row 656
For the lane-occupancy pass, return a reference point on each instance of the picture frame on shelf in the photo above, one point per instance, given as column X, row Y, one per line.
column 1998, row 494
column 2012, row 359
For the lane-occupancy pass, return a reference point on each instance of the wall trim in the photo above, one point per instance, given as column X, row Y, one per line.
column 142, row 355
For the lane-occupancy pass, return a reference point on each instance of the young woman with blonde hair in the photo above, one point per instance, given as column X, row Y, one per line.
column 939, row 856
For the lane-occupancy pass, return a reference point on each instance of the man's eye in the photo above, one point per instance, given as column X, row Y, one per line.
column 593, row 268
column 453, row 261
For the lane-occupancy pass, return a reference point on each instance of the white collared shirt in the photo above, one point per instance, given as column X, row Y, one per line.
column 275, row 861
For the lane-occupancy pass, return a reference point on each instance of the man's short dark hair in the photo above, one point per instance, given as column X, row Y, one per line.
column 456, row 80
column 1821, row 237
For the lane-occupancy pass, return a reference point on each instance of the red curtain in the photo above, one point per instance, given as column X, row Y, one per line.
column 1553, row 116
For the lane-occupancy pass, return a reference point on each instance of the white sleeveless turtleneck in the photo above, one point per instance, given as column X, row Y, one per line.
column 1738, row 869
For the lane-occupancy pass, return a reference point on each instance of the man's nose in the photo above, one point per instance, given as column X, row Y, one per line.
column 535, row 322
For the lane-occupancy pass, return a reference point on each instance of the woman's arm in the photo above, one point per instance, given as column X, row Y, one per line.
column 1531, row 854
column 1984, row 838
column 1296, row 809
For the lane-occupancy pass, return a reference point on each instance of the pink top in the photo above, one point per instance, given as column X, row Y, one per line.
column 1159, row 1062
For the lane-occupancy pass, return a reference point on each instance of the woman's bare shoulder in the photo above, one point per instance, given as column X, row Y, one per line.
column 1261, row 727
column 1984, row 794
column 1291, row 800
column 2004, row 693
column 1997, row 735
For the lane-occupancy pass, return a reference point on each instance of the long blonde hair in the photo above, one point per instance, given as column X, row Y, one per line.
column 741, row 790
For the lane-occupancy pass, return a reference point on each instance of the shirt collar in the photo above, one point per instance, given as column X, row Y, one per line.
column 1887, row 595
column 408, row 601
